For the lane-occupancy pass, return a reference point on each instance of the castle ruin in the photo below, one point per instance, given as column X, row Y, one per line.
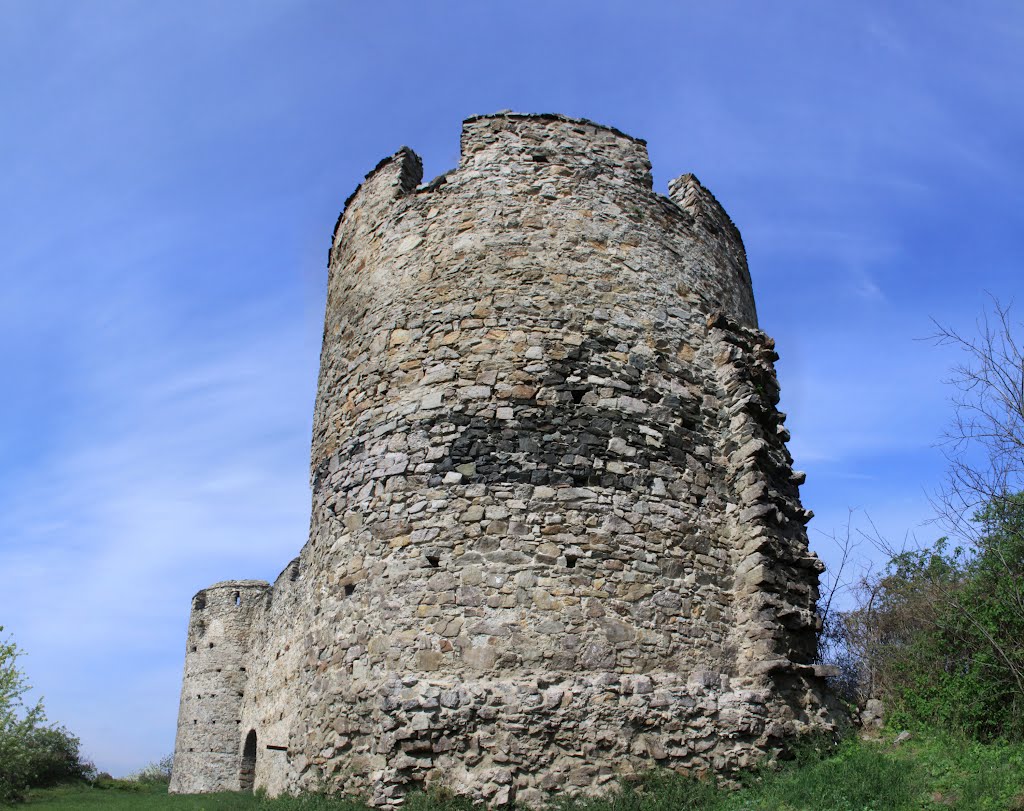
column 556, row 536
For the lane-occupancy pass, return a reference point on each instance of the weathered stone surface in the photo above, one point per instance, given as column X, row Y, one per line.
column 556, row 536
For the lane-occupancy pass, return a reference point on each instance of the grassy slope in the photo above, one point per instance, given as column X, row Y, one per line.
column 926, row 773
column 152, row 797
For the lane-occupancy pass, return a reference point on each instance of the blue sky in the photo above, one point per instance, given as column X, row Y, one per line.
column 172, row 172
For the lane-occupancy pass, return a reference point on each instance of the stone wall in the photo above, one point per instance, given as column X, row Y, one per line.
column 555, row 535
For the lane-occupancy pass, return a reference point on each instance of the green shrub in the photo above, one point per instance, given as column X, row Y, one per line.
column 32, row 753
column 945, row 631
column 159, row 771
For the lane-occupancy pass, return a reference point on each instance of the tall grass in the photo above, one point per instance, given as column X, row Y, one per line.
column 929, row 772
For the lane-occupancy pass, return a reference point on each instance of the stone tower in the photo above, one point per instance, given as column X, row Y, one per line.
column 556, row 536
column 206, row 751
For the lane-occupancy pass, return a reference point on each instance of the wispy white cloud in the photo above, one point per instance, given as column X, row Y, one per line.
column 867, row 289
column 197, row 474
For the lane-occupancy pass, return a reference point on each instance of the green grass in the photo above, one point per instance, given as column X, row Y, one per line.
column 929, row 773
column 143, row 798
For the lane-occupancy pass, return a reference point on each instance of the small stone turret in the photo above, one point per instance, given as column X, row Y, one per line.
column 209, row 744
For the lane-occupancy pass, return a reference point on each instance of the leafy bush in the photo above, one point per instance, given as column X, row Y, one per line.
column 32, row 753
column 157, row 772
column 56, row 757
column 941, row 637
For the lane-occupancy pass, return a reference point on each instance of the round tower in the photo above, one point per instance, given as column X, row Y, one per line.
column 549, row 478
column 556, row 536
column 209, row 745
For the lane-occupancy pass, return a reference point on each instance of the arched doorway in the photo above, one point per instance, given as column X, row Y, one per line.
column 247, row 774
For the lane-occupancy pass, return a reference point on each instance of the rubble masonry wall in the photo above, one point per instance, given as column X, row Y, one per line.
column 556, row 536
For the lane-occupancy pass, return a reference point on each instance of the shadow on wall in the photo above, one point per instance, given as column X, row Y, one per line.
column 247, row 772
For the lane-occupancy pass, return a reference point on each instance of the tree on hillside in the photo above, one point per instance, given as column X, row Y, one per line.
column 32, row 752
column 982, row 504
column 985, row 442
column 18, row 723
column 941, row 638
column 939, row 634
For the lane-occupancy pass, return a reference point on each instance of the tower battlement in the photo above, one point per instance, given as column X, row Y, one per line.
column 550, row 492
column 489, row 143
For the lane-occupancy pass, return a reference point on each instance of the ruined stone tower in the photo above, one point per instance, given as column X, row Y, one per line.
column 556, row 536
